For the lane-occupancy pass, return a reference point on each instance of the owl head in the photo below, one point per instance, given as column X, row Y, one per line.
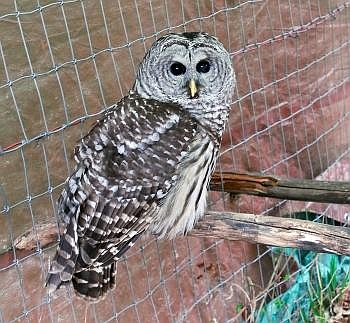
column 187, row 69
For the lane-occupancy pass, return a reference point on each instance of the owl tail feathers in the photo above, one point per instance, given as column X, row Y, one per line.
column 61, row 270
column 89, row 283
column 63, row 264
column 93, row 283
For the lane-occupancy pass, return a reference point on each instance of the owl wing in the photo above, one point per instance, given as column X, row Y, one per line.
column 126, row 166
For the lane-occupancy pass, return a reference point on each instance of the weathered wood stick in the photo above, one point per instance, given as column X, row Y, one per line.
column 289, row 189
column 274, row 231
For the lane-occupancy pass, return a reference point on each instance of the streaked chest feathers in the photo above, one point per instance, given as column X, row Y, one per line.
column 186, row 201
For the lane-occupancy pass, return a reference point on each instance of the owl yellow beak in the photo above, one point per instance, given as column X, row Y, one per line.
column 193, row 88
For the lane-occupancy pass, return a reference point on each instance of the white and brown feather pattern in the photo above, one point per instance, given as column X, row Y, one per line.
column 147, row 164
column 186, row 201
column 122, row 177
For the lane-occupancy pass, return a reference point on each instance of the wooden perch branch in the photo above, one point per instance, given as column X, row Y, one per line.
column 289, row 189
column 274, row 231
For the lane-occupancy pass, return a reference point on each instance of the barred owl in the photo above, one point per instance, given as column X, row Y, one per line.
column 146, row 165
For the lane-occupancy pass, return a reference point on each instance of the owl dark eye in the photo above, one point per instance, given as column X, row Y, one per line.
column 177, row 69
column 203, row 66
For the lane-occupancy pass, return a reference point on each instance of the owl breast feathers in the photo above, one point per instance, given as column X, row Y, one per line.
column 145, row 166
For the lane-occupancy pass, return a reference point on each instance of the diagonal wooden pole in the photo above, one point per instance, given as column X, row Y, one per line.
column 274, row 231
column 288, row 189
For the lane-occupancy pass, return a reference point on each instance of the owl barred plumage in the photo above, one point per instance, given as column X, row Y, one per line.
column 147, row 164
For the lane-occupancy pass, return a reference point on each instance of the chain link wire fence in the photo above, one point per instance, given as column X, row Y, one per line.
column 63, row 63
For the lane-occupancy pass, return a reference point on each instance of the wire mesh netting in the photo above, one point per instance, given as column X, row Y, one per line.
column 63, row 63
